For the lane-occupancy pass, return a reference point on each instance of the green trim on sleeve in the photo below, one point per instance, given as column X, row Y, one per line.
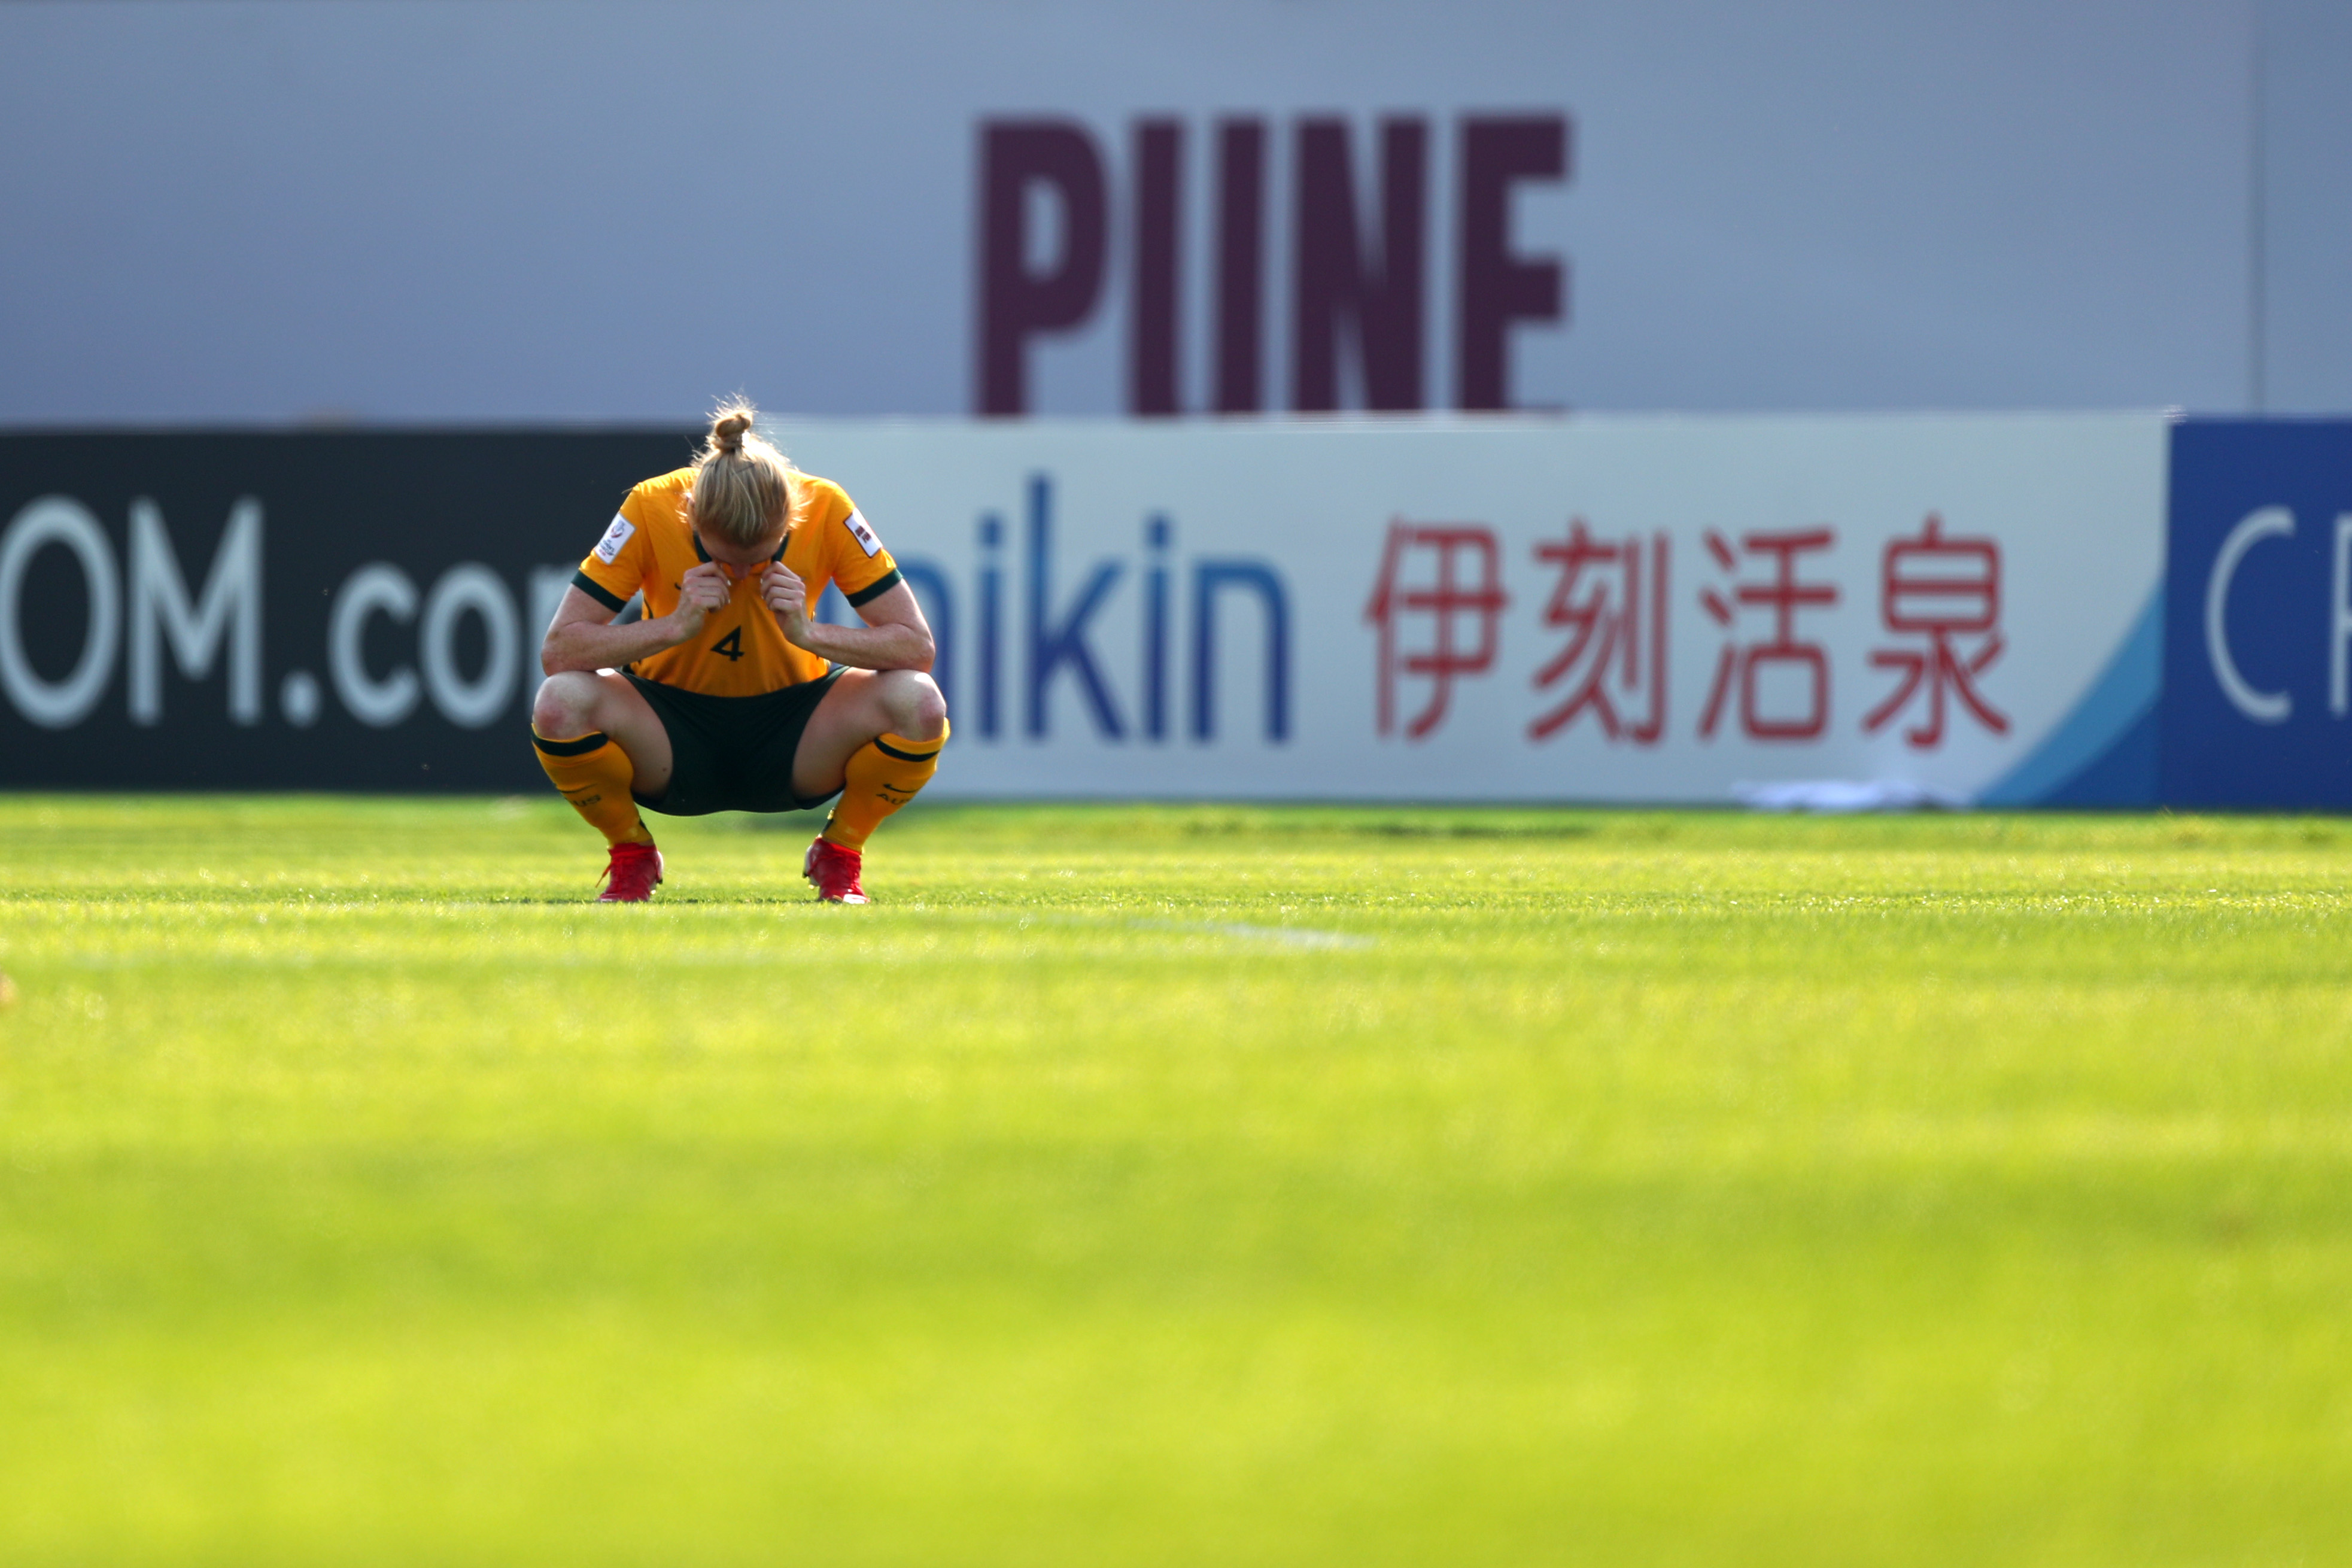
column 877, row 588
column 598, row 592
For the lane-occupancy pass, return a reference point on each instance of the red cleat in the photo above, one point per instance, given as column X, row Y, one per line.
column 834, row 871
column 631, row 874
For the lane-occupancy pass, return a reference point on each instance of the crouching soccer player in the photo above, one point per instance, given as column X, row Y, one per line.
column 726, row 696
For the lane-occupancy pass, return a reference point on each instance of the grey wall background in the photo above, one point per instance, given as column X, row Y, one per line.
column 388, row 211
column 2301, row 310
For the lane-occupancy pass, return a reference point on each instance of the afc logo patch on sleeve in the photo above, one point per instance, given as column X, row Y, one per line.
column 855, row 524
column 608, row 549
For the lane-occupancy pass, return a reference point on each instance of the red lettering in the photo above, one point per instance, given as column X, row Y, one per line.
column 1017, row 304
column 1497, row 287
column 1339, row 290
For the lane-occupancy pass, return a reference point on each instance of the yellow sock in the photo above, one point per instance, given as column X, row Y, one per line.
column 883, row 775
column 595, row 775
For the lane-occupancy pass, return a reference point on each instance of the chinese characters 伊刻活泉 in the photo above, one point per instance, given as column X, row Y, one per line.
column 1439, row 599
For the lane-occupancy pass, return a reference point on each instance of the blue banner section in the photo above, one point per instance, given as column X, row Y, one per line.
column 2258, row 622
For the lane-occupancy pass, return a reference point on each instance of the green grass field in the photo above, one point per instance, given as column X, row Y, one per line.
column 1172, row 1185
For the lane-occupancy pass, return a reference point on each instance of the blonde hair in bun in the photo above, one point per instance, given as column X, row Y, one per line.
column 742, row 486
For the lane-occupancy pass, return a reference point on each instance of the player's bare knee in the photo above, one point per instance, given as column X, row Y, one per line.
column 566, row 706
column 913, row 702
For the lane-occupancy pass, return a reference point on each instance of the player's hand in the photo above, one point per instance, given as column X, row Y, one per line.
column 702, row 590
column 787, row 596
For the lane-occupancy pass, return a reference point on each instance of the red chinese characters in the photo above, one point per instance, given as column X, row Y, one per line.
column 1938, row 588
column 1440, row 595
column 1607, row 618
column 1747, row 665
column 1611, row 600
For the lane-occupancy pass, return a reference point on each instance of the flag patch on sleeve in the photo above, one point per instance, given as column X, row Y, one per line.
column 855, row 524
column 608, row 549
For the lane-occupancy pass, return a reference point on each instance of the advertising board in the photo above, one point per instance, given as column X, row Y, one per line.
column 1599, row 609
column 2258, row 646
column 1592, row 609
column 290, row 612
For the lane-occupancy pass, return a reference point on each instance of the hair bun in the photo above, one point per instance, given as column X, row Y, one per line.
column 727, row 431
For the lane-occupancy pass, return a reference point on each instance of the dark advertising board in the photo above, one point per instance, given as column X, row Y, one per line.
column 2257, row 707
column 332, row 610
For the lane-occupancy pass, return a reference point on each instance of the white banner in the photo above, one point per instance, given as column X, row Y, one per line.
column 1593, row 609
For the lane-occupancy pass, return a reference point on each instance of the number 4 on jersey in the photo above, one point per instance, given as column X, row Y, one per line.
column 730, row 647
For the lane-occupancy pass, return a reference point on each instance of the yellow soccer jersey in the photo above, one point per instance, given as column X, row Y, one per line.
column 742, row 651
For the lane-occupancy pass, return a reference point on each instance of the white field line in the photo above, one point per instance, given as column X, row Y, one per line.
column 1284, row 936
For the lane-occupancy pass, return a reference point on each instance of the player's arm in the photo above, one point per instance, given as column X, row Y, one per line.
column 895, row 636
column 582, row 635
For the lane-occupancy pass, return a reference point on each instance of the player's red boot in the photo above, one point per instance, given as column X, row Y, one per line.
column 631, row 874
column 834, row 871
